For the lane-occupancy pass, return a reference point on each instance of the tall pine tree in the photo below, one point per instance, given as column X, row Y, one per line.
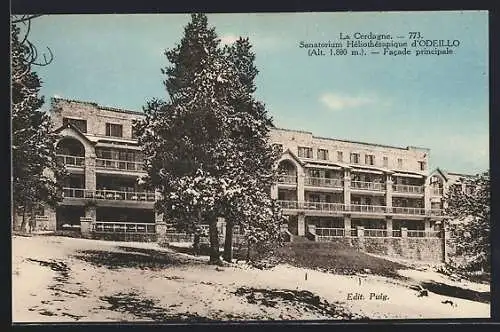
column 185, row 139
column 198, row 143
column 256, row 214
column 36, row 172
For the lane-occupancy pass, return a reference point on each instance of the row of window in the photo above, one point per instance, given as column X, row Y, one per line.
column 112, row 129
column 354, row 158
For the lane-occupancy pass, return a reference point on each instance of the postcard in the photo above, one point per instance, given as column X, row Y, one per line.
column 320, row 166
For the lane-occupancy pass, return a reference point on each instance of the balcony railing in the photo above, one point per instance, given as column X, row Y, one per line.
column 396, row 233
column 339, row 207
column 408, row 210
column 403, row 188
column 411, row 233
column 71, row 160
column 330, row 232
column 293, row 205
column 134, row 166
column 368, row 208
column 437, row 191
column 123, row 227
column 362, row 185
column 323, row 182
column 287, row 179
column 323, row 206
column 436, row 212
column 375, row 232
column 109, row 194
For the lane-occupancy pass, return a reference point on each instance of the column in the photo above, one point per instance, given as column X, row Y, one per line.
column 91, row 212
column 388, row 223
column 301, row 224
column 50, row 213
column 159, row 217
column 87, row 220
column 347, row 188
column 347, row 225
column 427, row 226
column 361, row 237
column 300, row 186
column 388, row 193
column 90, row 177
column 427, row 197
column 274, row 191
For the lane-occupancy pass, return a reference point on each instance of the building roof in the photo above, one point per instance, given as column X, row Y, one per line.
column 451, row 177
column 350, row 141
column 107, row 108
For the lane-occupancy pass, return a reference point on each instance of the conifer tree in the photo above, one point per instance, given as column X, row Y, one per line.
column 468, row 217
column 185, row 139
column 35, row 172
column 251, row 136
column 198, row 143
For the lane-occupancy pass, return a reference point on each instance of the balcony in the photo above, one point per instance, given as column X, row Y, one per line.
column 372, row 186
column 287, row 179
column 437, row 191
column 408, row 189
column 408, row 210
column 323, row 206
column 323, row 182
column 436, row 212
column 330, row 232
column 420, row 233
column 357, row 208
column 314, row 206
column 375, row 232
column 121, row 165
column 123, row 227
column 75, row 161
column 368, row 208
column 108, row 194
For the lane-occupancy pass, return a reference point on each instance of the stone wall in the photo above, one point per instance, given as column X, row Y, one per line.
column 96, row 116
column 422, row 249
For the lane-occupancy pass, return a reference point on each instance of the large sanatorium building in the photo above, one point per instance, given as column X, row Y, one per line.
column 330, row 188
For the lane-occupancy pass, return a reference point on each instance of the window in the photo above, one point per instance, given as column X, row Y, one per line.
column 400, row 163
column 370, row 159
column 134, row 133
column 277, row 146
column 340, row 156
column 305, row 152
column 314, row 198
column 422, row 165
column 323, row 154
column 115, row 130
column 355, row 158
column 386, row 162
column 78, row 123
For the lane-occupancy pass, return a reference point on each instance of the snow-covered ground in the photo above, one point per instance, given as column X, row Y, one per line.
column 67, row 279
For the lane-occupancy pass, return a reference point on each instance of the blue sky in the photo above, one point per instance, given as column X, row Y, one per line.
column 438, row 102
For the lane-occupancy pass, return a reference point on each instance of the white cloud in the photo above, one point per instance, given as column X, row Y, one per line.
column 337, row 102
column 57, row 95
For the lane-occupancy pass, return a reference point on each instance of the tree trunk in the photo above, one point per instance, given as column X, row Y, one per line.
column 214, row 242
column 32, row 219
column 228, row 243
column 23, row 222
column 248, row 251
